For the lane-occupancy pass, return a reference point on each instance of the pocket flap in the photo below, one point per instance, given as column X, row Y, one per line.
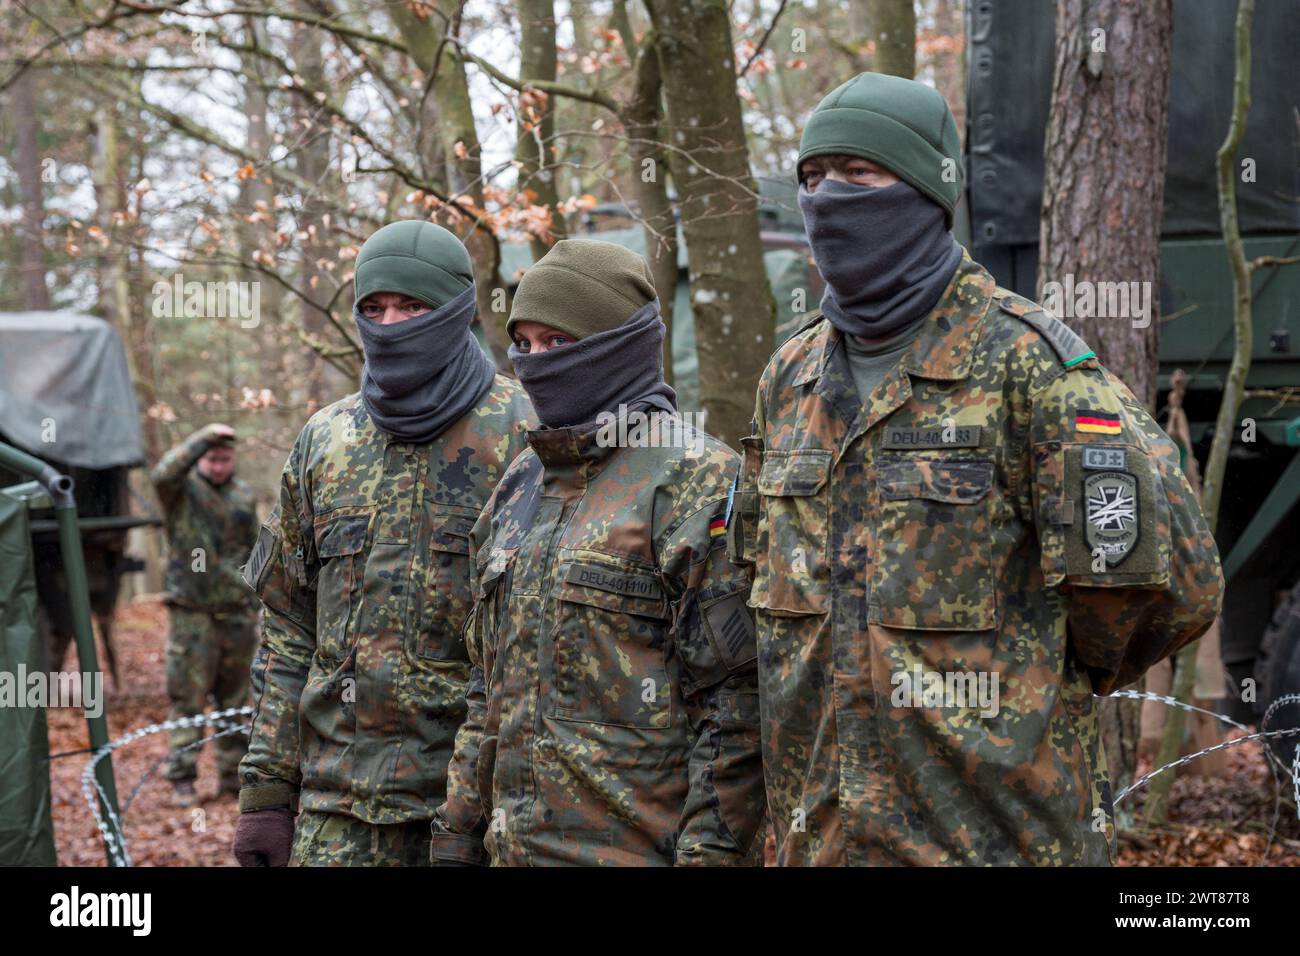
column 450, row 531
column 343, row 535
column 800, row 471
column 614, row 589
column 954, row 482
column 492, row 564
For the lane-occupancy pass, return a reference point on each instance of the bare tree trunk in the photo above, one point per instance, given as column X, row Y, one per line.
column 256, row 190
column 115, row 301
column 950, row 67
column 641, row 119
column 893, row 28
column 1102, row 207
column 312, row 165
column 35, row 294
column 731, row 298
column 537, row 115
column 424, row 37
column 1234, row 387
column 1103, row 194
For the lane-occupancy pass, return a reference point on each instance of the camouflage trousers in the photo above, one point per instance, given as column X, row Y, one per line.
column 208, row 659
column 334, row 839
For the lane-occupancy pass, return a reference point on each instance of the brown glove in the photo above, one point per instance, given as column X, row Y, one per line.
column 264, row 837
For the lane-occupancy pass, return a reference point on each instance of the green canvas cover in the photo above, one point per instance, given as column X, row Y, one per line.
column 70, row 371
column 26, row 832
column 1009, row 94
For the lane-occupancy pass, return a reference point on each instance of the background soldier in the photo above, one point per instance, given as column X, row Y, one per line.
column 944, row 485
column 613, row 706
column 363, row 571
column 211, row 520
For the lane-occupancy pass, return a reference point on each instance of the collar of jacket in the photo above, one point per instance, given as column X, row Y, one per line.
column 944, row 349
column 575, row 445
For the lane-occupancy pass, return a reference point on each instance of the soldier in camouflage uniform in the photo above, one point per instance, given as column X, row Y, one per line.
column 364, row 572
column 211, row 520
column 960, row 525
column 613, row 709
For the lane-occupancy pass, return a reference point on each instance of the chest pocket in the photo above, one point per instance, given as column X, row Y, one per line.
column 791, row 566
column 341, row 548
column 933, row 567
column 446, row 599
column 611, row 640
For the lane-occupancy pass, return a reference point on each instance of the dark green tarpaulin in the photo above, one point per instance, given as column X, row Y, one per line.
column 1009, row 95
column 26, row 833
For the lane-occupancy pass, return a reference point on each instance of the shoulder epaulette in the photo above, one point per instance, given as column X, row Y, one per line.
column 806, row 321
column 1071, row 349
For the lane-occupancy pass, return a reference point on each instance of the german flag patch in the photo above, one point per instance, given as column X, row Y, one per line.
column 717, row 526
column 1098, row 423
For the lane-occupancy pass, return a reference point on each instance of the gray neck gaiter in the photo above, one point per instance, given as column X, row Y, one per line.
column 423, row 374
column 573, row 384
column 885, row 253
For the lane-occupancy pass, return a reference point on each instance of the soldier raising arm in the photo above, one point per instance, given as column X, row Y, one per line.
column 211, row 520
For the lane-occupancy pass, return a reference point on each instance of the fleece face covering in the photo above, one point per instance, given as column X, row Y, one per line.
column 573, row 384
column 886, row 254
column 423, row 374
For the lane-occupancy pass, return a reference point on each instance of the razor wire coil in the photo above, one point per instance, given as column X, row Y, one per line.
column 115, row 838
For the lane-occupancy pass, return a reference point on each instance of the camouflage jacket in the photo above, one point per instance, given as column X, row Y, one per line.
column 209, row 529
column 613, row 704
column 999, row 515
column 364, row 573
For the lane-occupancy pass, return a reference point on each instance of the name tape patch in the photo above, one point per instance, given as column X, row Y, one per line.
column 631, row 585
column 943, row 436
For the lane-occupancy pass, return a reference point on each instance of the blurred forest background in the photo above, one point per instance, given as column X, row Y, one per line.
column 263, row 142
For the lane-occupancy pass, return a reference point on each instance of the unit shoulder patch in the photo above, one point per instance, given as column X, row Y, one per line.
column 1112, row 523
column 1071, row 349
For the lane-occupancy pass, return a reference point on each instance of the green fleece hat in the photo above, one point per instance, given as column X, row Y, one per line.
column 581, row 287
column 904, row 125
column 415, row 258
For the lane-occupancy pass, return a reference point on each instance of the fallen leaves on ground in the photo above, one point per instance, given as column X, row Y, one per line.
column 1213, row 821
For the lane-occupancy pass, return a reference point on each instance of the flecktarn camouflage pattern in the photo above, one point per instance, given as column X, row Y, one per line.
column 943, row 575
column 212, row 632
column 363, row 570
column 613, row 705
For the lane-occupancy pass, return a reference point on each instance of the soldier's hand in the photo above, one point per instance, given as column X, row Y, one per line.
column 264, row 837
column 220, row 432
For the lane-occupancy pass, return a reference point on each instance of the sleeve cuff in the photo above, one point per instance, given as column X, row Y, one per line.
column 267, row 795
column 457, row 848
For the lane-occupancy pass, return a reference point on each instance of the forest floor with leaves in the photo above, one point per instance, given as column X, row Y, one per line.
column 1213, row 821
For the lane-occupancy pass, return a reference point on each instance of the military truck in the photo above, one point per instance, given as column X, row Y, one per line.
column 66, row 398
column 1010, row 60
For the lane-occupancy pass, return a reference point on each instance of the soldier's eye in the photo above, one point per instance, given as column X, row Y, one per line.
column 555, row 341
column 522, row 345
